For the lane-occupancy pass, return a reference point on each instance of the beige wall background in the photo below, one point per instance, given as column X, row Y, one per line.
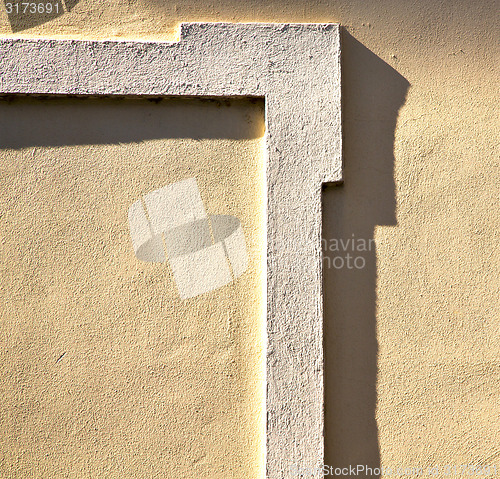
column 106, row 372
column 411, row 339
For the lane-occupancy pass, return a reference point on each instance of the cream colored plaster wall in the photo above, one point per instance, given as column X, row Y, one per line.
column 106, row 372
column 412, row 339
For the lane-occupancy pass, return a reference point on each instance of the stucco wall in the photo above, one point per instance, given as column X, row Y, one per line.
column 411, row 347
column 106, row 371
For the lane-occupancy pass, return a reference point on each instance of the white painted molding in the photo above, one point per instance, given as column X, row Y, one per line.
column 296, row 68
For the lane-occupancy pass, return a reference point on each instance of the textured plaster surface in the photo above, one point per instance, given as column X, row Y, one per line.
column 106, row 372
column 411, row 341
column 296, row 68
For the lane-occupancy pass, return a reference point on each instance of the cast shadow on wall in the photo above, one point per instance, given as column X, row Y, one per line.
column 372, row 92
column 41, row 121
column 23, row 14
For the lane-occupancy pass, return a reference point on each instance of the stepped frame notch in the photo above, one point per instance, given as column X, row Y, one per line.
column 296, row 69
